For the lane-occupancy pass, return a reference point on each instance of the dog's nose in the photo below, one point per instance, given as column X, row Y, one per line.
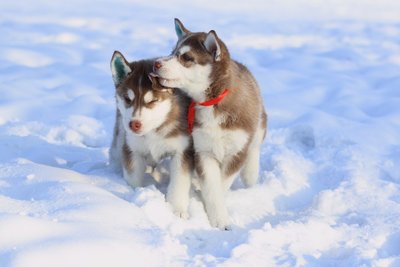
column 157, row 65
column 135, row 125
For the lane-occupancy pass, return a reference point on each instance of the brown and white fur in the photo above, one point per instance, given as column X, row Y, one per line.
column 227, row 136
column 150, row 126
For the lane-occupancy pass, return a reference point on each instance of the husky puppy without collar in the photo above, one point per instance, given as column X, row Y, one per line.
column 230, row 121
column 150, row 125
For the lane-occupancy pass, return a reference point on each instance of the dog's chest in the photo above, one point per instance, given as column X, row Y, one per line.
column 211, row 137
column 155, row 146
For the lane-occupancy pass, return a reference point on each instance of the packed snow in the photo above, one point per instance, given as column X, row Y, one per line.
column 329, row 187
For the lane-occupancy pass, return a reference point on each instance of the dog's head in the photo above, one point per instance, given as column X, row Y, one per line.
column 143, row 102
column 196, row 61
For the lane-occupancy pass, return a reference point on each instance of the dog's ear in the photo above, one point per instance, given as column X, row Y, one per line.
column 119, row 68
column 212, row 45
column 180, row 30
column 156, row 84
column 152, row 78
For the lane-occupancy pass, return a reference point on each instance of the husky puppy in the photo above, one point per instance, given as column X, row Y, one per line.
column 227, row 112
column 150, row 126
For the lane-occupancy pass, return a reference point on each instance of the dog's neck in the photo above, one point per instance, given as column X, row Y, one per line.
column 219, row 79
column 220, row 82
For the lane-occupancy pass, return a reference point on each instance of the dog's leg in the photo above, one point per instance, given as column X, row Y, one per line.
column 249, row 172
column 228, row 181
column 212, row 191
column 134, row 167
column 179, row 186
column 116, row 145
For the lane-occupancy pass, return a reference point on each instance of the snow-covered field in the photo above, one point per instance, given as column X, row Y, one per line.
column 329, row 188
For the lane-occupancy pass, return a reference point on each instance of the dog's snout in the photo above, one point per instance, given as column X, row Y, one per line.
column 135, row 125
column 157, row 65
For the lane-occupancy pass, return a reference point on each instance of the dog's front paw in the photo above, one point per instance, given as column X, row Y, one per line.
column 179, row 204
column 181, row 214
column 179, row 208
column 220, row 221
column 180, row 211
column 222, row 225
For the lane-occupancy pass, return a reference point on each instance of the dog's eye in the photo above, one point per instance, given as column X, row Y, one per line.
column 127, row 100
column 187, row 57
column 153, row 101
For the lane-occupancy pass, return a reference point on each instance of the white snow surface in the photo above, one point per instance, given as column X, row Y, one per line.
column 329, row 187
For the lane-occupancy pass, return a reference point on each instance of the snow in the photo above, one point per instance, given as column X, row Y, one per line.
column 329, row 186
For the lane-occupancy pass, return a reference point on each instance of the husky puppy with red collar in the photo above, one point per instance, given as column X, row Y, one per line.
column 151, row 124
column 226, row 118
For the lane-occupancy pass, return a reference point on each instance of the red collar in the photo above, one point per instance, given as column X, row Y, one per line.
column 192, row 109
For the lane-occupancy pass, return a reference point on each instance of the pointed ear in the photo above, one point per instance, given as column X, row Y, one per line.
column 180, row 30
column 154, row 81
column 119, row 68
column 212, row 45
column 152, row 78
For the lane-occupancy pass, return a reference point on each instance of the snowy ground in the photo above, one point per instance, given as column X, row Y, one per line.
column 329, row 189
